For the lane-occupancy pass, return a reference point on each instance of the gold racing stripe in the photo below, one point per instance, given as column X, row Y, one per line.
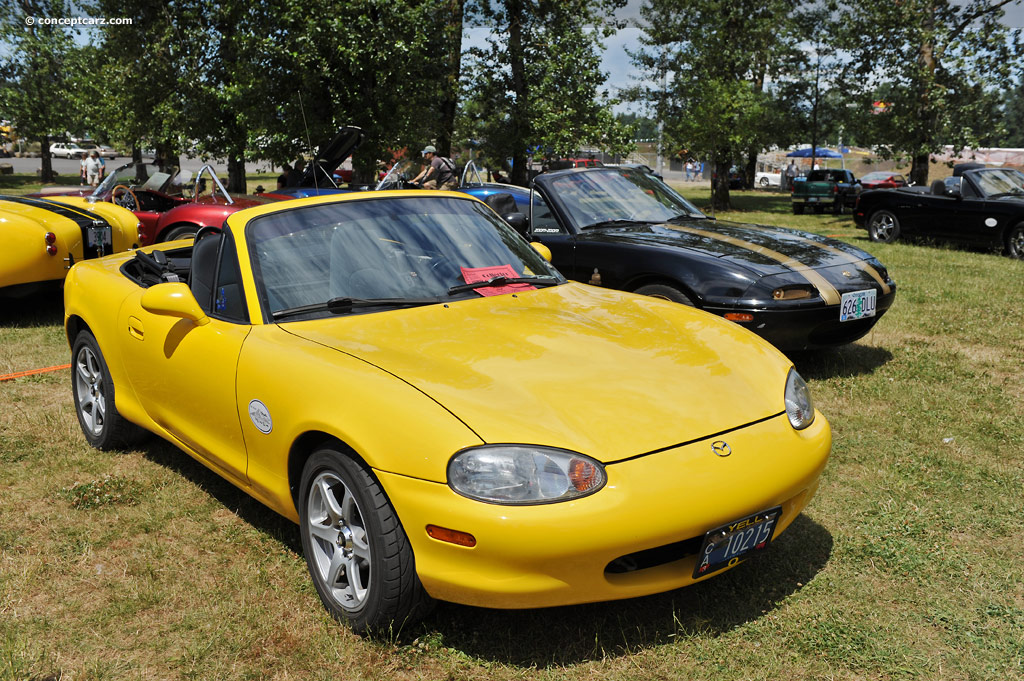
column 828, row 292
column 860, row 264
column 853, row 260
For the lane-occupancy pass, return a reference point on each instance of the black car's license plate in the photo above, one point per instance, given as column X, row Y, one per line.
column 725, row 545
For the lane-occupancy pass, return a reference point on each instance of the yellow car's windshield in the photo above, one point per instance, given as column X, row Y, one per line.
column 387, row 252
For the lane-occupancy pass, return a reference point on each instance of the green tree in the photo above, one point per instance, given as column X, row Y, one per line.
column 708, row 69
column 940, row 69
column 37, row 92
column 539, row 82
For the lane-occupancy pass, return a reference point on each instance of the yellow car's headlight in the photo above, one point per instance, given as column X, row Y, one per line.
column 799, row 406
column 524, row 474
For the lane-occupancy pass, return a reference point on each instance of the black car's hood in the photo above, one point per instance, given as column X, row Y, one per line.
column 332, row 154
column 763, row 250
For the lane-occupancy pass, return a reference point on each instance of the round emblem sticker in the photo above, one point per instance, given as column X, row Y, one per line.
column 991, row 222
column 260, row 416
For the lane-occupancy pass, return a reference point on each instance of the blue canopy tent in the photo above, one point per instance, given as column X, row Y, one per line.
column 819, row 152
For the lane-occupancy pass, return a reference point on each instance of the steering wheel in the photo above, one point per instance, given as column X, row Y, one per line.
column 127, row 198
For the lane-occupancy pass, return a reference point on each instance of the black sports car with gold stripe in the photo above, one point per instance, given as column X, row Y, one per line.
column 625, row 229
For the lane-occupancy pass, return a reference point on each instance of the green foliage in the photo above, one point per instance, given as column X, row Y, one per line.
column 539, row 82
column 941, row 67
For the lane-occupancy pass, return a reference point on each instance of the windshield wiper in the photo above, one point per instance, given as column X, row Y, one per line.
column 687, row 216
column 341, row 305
column 613, row 222
column 503, row 281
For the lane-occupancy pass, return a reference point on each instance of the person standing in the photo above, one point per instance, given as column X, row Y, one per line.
column 439, row 173
column 92, row 169
column 790, row 175
column 82, row 175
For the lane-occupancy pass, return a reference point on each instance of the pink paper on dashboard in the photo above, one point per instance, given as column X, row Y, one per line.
column 474, row 274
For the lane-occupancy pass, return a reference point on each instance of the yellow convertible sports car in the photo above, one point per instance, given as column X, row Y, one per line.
column 441, row 412
column 43, row 238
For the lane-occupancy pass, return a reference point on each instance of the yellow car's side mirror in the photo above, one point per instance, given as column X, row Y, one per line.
column 544, row 251
column 173, row 299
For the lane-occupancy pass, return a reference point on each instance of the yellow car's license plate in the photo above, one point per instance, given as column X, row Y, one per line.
column 726, row 545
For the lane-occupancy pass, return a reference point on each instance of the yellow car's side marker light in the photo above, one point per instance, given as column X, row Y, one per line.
column 451, row 536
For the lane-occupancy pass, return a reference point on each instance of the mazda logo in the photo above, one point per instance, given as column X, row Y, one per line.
column 721, row 448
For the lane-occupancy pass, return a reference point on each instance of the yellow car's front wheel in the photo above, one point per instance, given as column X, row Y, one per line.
column 356, row 549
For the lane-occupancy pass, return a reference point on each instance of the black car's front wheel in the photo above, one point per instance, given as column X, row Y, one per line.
column 356, row 549
column 883, row 227
column 1015, row 242
column 665, row 292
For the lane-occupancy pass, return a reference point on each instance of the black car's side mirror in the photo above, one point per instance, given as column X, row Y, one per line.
column 518, row 222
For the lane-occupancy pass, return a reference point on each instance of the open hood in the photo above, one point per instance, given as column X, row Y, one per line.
column 331, row 154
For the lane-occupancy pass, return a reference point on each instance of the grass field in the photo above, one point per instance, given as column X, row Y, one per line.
column 907, row 565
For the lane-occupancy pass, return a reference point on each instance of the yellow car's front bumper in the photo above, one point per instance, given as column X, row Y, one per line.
column 558, row 554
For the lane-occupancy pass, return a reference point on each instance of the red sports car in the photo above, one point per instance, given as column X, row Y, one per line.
column 174, row 205
column 882, row 179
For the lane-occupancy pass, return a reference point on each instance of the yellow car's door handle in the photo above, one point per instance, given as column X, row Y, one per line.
column 135, row 328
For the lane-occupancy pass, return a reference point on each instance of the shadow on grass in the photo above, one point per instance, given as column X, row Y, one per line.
column 554, row 637
column 44, row 307
column 843, row 361
column 277, row 527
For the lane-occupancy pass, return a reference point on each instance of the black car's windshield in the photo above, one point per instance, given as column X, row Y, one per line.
column 144, row 176
column 387, row 253
column 997, row 182
column 612, row 196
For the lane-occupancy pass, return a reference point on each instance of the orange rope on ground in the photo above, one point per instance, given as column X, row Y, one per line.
column 32, row 372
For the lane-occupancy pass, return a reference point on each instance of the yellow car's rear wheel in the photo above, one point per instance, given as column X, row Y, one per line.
column 356, row 549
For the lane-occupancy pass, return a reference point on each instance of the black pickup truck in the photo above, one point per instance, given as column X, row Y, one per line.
column 834, row 189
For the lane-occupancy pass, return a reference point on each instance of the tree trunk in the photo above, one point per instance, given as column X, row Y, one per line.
column 919, row 169
column 450, row 96
column 236, row 176
column 750, row 172
column 720, row 193
column 46, row 173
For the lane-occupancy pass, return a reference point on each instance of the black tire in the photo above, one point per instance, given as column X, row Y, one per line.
column 839, row 207
column 883, row 227
column 763, row 182
column 798, row 209
column 180, row 232
column 1015, row 242
column 93, row 390
column 665, row 292
column 347, row 521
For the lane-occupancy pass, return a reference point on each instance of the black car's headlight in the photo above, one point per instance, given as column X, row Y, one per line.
column 799, row 406
column 524, row 474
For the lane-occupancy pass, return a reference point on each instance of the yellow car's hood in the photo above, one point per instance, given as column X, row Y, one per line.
column 604, row 373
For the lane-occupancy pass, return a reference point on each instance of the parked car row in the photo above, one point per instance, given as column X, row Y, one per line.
column 73, row 150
